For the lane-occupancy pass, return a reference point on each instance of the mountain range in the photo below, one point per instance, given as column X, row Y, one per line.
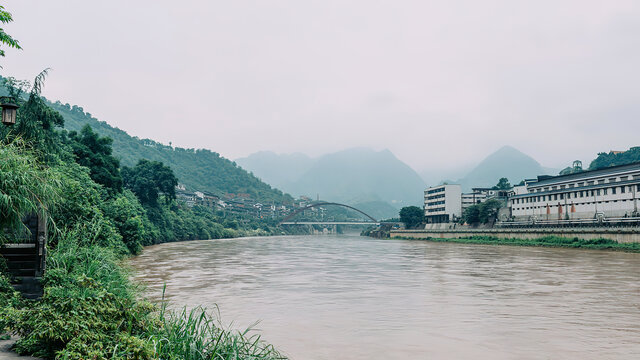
column 378, row 179
column 359, row 176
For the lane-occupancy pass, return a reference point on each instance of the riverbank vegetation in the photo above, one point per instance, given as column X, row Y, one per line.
column 99, row 214
column 548, row 241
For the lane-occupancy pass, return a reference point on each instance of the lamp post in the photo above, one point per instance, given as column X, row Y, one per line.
column 9, row 110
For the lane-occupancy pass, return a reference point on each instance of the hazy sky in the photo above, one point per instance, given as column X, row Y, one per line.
column 436, row 82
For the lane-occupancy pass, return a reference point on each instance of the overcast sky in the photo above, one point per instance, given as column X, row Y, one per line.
column 439, row 83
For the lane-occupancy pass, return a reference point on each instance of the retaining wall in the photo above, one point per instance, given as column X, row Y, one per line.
column 621, row 235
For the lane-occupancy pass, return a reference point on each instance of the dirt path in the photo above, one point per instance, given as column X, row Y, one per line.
column 7, row 354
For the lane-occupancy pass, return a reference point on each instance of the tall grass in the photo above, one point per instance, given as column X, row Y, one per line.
column 198, row 335
column 26, row 186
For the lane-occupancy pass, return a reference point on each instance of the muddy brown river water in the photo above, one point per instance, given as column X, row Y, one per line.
column 350, row 297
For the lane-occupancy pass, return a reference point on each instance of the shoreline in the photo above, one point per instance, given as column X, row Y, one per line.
column 549, row 241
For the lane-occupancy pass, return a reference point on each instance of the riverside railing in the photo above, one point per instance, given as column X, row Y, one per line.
column 632, row 221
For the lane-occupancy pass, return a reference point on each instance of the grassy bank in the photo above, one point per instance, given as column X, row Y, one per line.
column 548, row 241
column 91, row 310
column 99, row 214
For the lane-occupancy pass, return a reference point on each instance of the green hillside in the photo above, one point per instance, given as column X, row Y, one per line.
column 614, row 158
column 197, row 169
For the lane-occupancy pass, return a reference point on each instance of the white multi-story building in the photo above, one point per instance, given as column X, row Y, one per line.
column 443, row 203
column 609, row 192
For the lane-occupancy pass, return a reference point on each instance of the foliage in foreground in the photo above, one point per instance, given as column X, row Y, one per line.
column 90, row 311
column 197, row 335
column 6, row 39
column 25, row 186
column 550, row 241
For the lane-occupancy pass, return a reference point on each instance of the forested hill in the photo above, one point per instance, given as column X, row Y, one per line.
column 197, row 169
column 200, row 169
column 614, row 158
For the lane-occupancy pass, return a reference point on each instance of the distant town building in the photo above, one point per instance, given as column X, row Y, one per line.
column 443, row 203
column 188, row 198
column 208, row 200
column 609, row 192
column 480, row 195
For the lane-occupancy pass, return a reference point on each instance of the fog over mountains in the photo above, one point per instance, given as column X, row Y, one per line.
column 507, row 162
column 377, row 179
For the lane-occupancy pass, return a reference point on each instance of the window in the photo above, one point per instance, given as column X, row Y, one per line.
column 613, row 191
column 561, row 196
column 598, row 192
column 622, row 189
column 604, row 191
column 555, row 197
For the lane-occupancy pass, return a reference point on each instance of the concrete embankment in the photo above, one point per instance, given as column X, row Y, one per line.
column 621, row 235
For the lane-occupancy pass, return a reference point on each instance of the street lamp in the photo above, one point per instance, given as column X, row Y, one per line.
column 9, row 110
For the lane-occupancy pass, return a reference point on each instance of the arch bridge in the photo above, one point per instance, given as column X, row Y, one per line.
column 286, row 221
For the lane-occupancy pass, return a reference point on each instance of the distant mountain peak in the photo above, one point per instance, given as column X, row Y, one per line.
column 507, row 162
column 358, row 174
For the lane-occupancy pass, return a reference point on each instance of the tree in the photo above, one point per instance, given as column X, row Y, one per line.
column 148, row 179
column 503, row 184
column 411, row 216
column 489, row 210
column 26, row 186
column 482, row 213
column 471, row 214
column 131, row 220
column 6, row 39
column 94, row 152
column 36, row 121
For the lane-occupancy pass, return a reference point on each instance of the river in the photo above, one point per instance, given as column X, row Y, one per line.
column 350, row 297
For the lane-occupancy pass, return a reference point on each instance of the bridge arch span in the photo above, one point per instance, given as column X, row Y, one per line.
column 325, row 203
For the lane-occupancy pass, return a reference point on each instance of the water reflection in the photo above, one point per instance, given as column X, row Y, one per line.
column 331, row 297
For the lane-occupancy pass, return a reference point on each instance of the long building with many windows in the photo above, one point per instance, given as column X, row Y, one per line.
column 609, row 193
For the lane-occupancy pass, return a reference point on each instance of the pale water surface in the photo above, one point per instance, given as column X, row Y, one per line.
column 348, row 297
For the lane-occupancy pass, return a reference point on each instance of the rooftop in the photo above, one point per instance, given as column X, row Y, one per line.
column 546, row 179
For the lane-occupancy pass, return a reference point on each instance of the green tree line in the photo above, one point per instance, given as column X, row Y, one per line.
column 100, row 212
